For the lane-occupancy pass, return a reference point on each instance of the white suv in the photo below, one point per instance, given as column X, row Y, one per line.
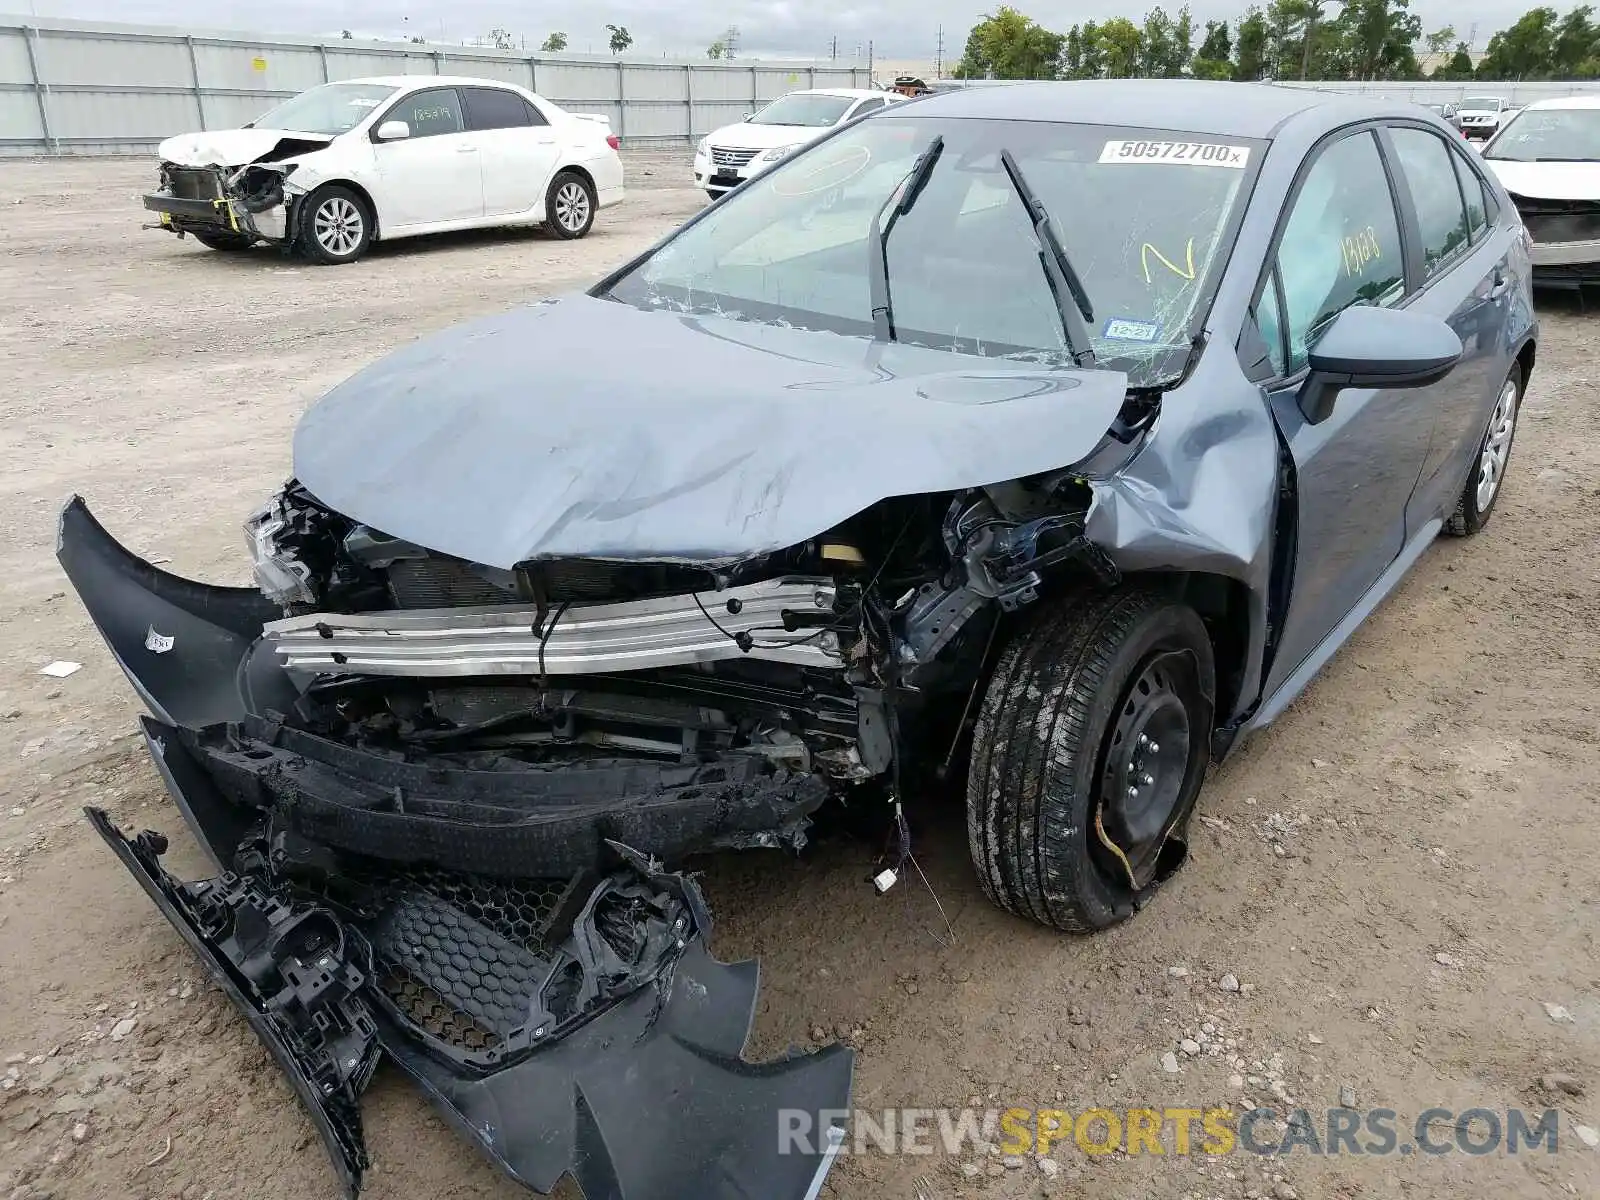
column 1480, row 117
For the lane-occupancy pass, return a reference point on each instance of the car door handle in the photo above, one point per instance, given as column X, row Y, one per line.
column 1501, row 285
column 466, row 149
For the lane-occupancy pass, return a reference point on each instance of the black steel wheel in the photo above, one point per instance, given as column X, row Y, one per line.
column 1088, row 757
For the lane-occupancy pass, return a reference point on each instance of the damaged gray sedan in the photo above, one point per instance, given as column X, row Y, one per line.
column 1060, row 431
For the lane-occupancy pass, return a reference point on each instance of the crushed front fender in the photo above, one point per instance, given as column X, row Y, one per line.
column 579, row 1031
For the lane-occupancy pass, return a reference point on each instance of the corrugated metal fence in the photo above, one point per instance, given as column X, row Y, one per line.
column 70, row 87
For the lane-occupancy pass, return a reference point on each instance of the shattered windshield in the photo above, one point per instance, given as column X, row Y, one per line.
column 1550, row 135
column 803, row 109
column 332, row 108
column 1145, row 217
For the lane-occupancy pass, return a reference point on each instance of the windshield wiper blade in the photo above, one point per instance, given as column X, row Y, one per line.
column 1071, row 298
column 901, row 200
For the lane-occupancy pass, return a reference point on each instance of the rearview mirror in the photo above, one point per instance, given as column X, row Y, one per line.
column 1366, row 347
column 393, row 131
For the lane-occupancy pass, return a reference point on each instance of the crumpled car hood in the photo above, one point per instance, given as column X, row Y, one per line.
column 590, row 428
column 1550, row 180
column 232, row 147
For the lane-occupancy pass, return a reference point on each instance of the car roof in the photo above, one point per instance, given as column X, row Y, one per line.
column 853, row 93
column 1567, row 102
column 1251, row 110
column 418, row 81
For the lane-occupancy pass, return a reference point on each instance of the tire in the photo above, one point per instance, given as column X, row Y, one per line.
column 1057, row 737
column 230, row 243
column 334, row 225
column 1487, row 475
column 570, row 205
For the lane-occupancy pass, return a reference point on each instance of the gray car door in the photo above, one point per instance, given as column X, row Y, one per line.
column 1464, row 264
column 1340, row 245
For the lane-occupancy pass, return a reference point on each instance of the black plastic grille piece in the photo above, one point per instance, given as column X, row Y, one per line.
column 474, row 971
column 518, row 910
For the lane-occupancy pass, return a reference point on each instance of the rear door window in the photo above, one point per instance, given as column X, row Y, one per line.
column 1472, row 189
column 1425, row 163
column 494, row 108
column 1341, row 243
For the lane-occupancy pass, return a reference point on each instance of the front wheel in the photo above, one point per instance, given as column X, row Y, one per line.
column 1488, row 472
column 1088, row 757
column 335, row 226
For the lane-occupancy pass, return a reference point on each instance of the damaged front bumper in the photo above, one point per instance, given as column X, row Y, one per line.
column 489, row 930
column 252, row 202
column 573, row 1030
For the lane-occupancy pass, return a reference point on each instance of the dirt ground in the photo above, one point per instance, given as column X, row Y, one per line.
column 1400, row 873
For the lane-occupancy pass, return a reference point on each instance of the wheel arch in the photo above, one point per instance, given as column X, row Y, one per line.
column 1228, row 611
column 575, row 168
column 1526, row 354
column 344, row 181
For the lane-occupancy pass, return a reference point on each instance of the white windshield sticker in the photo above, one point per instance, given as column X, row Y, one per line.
column 1192, row 154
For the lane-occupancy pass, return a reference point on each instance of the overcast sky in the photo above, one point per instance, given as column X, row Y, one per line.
column 905, row 29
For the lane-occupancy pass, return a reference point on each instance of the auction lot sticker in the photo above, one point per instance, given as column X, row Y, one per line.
column 1189, row 154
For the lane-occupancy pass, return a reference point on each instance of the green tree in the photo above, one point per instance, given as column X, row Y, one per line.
column 717, row 50
column 1071, row 64
column 1575, row 47
column 621, row 39
column 1094, row 58
column 1216, row 44
column 1440, row 41
column 1213, row 59
column 1250, row 61
column 553, row 43
column 1166, row 45
column 1377, row 39
column 1526, row 50
column 1459, row 66
column 1121, row 48
column 1005, row 44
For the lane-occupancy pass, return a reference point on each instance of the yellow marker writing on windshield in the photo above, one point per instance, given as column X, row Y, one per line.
column 1146, row 250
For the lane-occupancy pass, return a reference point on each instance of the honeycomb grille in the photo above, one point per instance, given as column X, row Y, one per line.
column 518, row 910
column 461, row 958
column 431, row 1012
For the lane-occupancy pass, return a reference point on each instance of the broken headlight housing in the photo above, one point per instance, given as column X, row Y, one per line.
column 280, row 575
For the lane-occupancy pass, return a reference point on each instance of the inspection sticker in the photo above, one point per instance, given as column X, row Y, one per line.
column 1126, row 329
column 1191, row 154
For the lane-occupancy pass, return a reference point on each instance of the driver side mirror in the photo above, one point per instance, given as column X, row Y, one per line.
column 748, row 116
column 1366, row 347
column 393, row 131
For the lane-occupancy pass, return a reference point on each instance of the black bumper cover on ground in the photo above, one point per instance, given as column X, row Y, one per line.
column 644, row 1097
column 365, row 906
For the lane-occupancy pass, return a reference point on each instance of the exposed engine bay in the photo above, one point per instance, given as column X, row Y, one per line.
column 730, row 701
column 252, row 201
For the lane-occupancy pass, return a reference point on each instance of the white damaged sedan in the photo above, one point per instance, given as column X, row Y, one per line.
column 1548, row 158
column 342, row 165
